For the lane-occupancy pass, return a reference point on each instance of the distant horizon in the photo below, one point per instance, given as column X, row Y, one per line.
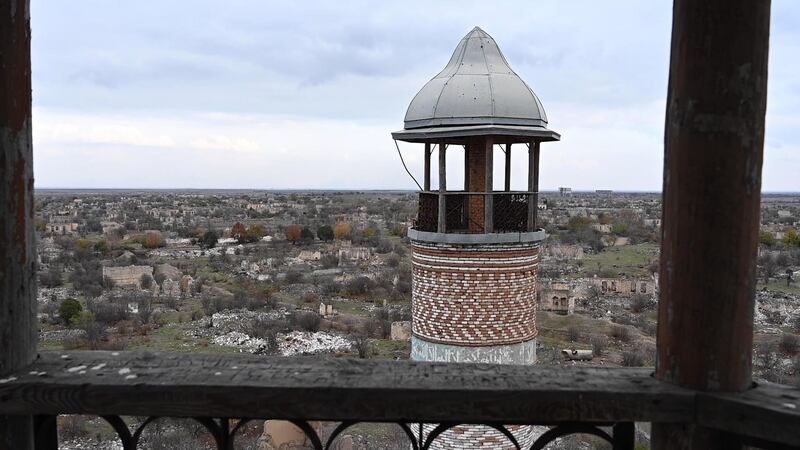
column 111, row 189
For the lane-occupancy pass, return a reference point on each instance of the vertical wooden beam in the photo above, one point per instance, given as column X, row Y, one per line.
column 17, row 246
column 488, row 203
column 46, row 432
column 533, row 185
column 466, row 167
column 508, row 168
column 441, row 228
column 714, row 141
column 426, row 186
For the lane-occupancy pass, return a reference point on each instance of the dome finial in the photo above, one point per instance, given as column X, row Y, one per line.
column 476, row 89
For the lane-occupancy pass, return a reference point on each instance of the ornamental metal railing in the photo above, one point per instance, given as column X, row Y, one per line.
column 225, row 392
column 465, row 212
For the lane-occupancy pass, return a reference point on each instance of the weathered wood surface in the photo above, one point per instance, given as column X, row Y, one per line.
column 427, row 180
column 488, row 180
column 771, row 413
column 714, row 139
column 507, row 179
column 17, row 248
column 186, row 385
column 182, row 385
column 533, row 185
column 442, row 217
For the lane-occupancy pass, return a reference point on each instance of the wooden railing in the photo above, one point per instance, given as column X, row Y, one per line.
column 214, row 389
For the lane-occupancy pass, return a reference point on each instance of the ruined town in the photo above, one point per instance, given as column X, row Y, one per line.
column 364, row 226
column 328, row 274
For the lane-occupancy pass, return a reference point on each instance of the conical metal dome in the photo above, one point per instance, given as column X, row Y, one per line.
column 479, row 90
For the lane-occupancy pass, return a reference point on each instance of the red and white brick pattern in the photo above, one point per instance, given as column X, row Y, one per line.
column 474, row 295
column 480, row 437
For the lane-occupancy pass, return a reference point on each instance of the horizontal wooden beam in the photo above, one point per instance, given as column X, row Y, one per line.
column 770, row 412
column 183, row 385
column 339, row 389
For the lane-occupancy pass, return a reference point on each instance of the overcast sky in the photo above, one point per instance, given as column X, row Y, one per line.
column 256, row 94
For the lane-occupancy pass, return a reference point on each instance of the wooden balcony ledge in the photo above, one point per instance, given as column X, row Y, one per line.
column 205, row 385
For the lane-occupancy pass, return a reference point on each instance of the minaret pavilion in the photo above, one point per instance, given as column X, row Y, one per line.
column 475, row 250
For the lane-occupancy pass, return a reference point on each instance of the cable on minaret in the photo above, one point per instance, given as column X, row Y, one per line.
column 404, row 164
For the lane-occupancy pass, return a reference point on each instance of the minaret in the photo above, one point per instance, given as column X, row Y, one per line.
column 475, row 251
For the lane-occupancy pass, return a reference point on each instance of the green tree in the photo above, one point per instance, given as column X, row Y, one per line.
column 791, row 238
column 255, row 232
column 101, row 247
column 70, row 310
column 766, row 238
column 620, row 228
column 325, row 233
column 208, row 240
column 579, row 223
column 306, row 235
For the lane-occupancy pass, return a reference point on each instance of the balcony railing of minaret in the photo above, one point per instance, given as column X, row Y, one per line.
column 465, row 212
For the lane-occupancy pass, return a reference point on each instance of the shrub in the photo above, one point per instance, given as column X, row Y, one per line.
column 88, row 279
column 640, row 303
column 573, row 333
column 102, row 247
column 72, row 343
column 330, row 287
column 358, row 285
column 633, row 358
column 145, row 309
column 72, row 427
column 384, row 246
column 306, row 235
column 362, row 346
column 212, row 305
column 115, row 344
column 310, row 297
column 621, row 332
column 306, row 320
column 790, row 343
column 294, row 277
column 208, row 240
column 267, row 329
column 325, row 233
column 153, row 240
column 329, row 260
column 393, row 260
column 93, row 329
column 380, row 324
column 599, row 344
column 112, row 310
column 239, row 299
column 767, row 359
column 146, row 281
column 69, row 310
column 52, row 278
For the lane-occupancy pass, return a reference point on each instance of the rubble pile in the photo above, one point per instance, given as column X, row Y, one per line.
column 306, row 343
column 775, row 310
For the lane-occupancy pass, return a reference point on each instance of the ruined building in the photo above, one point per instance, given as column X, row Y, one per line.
column 127, row 276
column 475, row 250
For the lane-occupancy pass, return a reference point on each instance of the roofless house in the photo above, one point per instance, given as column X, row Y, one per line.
column 701, row 395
